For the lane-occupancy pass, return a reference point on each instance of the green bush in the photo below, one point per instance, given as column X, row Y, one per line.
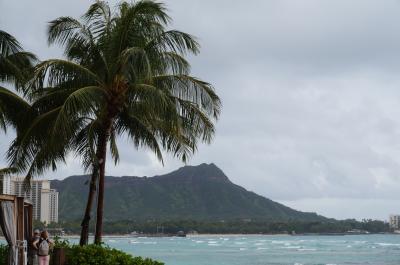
column 3, row 254
column 101, row 255
column 61, row 243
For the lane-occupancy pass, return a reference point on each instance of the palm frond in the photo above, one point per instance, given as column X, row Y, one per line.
column 191, row 89
column 81, row 103
column 58, row 72
column 8, row 44
column 139, row 131
column 62, row 29
column 176, row 41
column 99, row 18
column 7, row 171
column 14, row 110
column 32, row 139
column 114, row 147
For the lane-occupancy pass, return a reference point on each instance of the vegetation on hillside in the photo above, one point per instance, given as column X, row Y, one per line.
column 201, row 192
column 232, row 226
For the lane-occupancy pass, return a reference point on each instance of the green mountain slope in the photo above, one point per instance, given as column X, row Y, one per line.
column 192, row 192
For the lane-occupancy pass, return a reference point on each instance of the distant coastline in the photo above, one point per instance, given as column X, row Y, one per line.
column 223, row 235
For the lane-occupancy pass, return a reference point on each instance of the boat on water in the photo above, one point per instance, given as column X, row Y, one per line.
column 181, row 234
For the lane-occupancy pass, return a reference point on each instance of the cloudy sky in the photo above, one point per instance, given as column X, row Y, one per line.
column 310, row 90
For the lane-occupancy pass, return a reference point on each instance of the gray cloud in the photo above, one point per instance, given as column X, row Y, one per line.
column 310, row 93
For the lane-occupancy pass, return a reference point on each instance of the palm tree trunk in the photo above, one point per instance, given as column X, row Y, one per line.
column 84, row 240
column 102, row 149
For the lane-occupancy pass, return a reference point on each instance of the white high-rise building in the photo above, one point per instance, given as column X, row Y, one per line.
column 49, row 205
column 394, row 221
column 5, row 185
column 44, row 200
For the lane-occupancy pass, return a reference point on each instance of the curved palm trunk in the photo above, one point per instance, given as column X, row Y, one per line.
column 102, row 151
column 84, row 240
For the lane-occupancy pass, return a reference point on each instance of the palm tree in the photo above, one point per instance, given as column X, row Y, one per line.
column 15, row 66
column 124, row 74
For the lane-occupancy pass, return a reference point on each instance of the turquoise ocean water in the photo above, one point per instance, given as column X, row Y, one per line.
column 263, row 250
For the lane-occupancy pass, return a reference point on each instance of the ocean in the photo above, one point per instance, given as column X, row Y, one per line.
column 265, row 249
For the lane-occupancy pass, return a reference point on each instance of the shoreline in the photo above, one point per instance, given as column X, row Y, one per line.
column 223, row 235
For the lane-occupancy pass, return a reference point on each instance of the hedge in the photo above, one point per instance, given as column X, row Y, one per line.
column 96, row 255
column 91, row 255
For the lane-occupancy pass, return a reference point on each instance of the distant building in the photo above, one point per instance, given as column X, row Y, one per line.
column 5, row 185
column 49, row 206
column 394, row 221
column 44, row 199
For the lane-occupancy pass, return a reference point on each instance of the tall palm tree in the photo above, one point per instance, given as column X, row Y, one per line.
column 124, row 74
column 15, row 67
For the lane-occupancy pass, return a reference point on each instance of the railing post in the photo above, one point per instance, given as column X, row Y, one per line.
column 20, row 229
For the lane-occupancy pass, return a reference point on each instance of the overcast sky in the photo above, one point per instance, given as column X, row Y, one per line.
column 310, row 91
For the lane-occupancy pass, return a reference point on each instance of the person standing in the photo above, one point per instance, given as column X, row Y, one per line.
column 32, row 250
column 43, row 245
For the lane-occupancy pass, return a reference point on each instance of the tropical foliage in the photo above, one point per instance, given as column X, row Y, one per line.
column 258, row 226
column 125, row 74
column 97, row 254
column 15, row 67
column 201, row 192
column 3, row 254
column 7, row 171
column 90, row 255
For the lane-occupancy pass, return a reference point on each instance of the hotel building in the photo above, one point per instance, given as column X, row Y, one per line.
column 43, row 198
column 394, row 221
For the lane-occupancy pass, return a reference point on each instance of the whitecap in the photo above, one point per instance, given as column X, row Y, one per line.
column 150, row 243
column 360, row 242
column 291, row 247
column 336, row 241
column 387, row 244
